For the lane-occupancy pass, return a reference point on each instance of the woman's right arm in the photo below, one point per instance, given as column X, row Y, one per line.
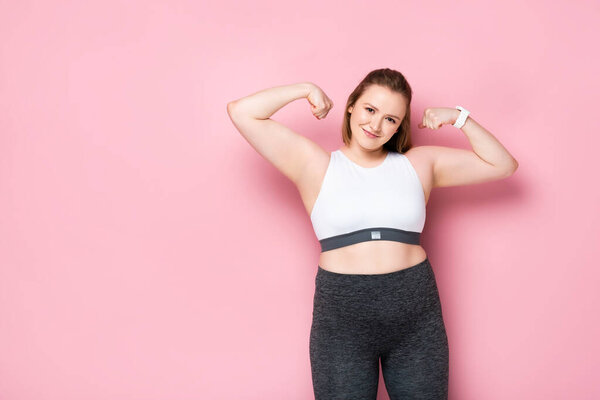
column 290, row 152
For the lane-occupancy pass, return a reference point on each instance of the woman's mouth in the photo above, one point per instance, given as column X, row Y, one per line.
column 370, row 134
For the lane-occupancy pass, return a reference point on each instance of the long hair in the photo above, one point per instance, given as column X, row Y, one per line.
column 400, row 142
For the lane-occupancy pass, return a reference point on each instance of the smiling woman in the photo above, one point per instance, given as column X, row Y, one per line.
column 367, row 204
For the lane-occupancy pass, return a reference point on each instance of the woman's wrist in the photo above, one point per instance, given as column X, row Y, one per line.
column 306, row 87
column 456, row 115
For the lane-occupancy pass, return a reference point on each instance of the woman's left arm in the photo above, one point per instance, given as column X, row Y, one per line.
column 488, row 161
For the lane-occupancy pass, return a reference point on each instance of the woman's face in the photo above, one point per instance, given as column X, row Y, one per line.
column 378, row 111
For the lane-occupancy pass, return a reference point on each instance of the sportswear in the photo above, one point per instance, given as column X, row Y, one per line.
column 395, row 318
column 357, row 204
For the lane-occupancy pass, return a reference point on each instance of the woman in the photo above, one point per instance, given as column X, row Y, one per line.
column 376, row 296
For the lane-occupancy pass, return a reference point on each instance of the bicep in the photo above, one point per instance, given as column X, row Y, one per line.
column 458, row 167
column 285, row 149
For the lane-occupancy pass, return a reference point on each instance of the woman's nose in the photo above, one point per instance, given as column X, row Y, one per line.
column 375, row 125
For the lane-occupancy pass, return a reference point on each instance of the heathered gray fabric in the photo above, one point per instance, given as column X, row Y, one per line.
column 359, row 318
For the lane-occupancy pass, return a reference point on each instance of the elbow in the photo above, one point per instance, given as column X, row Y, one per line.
column 230, row 106
column 514, row 167
column 233, row 110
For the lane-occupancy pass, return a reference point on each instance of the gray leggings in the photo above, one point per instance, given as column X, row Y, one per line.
column 358, row 319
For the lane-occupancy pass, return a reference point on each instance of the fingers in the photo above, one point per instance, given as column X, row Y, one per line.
column 322, row 111
column 428, row 124
column 322, row 114
column 430, row 121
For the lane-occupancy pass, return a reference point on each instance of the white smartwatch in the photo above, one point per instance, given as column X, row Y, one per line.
column 462, row 118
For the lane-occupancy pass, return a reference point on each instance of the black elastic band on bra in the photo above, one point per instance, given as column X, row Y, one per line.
column 363, row 235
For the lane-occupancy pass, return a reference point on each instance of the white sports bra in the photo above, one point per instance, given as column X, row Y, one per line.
column 357, row 204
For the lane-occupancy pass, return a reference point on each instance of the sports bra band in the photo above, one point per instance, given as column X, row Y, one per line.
column 363, row 235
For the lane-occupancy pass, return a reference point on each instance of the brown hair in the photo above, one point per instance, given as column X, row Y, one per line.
column 395, row 81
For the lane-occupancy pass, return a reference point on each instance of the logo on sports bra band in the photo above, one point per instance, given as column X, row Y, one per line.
column 375, row 234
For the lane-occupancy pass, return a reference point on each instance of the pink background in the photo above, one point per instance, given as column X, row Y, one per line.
column 148, row 252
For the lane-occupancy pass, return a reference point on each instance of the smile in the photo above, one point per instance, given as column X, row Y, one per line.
column 369, row 134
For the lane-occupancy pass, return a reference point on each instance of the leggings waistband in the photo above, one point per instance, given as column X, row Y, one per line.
column 409, row 279
column 324, row 274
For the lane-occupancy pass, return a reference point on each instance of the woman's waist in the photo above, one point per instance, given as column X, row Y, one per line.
column 372, row 257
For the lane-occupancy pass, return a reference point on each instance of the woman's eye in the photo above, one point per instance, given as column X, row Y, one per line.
column 391, row 119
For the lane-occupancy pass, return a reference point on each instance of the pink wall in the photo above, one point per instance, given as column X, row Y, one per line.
column 148, row 252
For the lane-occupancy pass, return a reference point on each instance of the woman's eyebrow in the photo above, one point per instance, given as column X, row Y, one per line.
column 378, row 110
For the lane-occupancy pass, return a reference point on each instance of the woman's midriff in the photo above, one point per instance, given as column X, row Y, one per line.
column 372, row 257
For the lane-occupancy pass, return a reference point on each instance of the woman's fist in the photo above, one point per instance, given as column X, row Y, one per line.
column 320, row 104
column 433, row 118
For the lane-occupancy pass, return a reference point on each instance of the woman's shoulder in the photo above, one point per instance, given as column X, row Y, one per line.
column 421, row 157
